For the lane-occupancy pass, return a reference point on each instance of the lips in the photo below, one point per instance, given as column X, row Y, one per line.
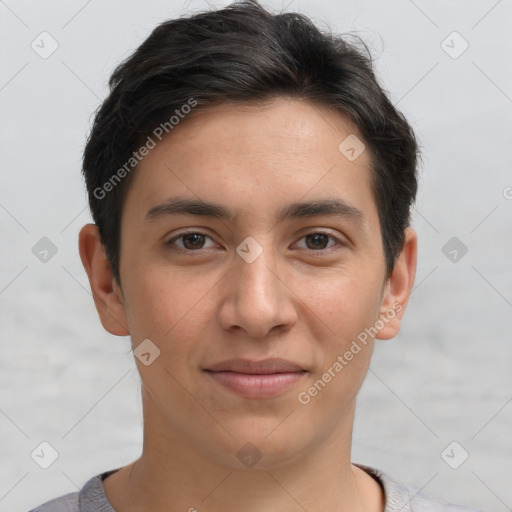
column 256, row 379
column 265, row 367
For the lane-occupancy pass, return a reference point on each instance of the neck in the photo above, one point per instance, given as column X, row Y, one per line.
column 172, row 475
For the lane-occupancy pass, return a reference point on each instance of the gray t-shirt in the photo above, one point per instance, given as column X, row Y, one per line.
column 398, row 497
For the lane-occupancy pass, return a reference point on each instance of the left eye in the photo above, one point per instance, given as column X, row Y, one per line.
column 318, row 241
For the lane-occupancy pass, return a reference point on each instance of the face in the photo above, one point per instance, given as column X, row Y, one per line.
column 261, row 303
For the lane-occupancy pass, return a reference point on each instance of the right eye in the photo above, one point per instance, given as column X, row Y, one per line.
column 191, row 241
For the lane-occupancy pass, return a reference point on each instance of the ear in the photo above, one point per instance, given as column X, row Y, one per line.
column 107, row 294
column 398, row 287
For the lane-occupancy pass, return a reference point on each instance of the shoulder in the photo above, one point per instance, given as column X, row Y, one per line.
column 66, row 503
column 407, row 498
column 91, row 498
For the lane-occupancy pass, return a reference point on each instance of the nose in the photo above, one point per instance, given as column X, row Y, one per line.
column 256, row 297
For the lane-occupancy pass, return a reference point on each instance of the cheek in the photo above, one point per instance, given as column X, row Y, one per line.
column 347, row 307
column 346, row 304
column 169, row 308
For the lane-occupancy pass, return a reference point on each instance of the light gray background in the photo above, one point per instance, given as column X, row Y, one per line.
column 446, row 377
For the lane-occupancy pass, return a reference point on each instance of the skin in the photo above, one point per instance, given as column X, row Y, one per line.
column 302, row 300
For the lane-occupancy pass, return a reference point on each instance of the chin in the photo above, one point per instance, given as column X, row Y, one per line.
column 261, row 445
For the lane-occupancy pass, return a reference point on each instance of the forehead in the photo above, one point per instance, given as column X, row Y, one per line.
column 257, row 156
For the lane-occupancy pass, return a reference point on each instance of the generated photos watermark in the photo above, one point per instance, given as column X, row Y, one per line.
column 304, row 397
column 158, row 133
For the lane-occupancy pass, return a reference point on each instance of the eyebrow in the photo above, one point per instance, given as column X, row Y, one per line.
column 315, row 208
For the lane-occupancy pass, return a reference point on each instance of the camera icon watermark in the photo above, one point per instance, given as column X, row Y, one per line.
column 507, row 193
column 455, row 455
column 44, row 250
column 44, row 45
column 146, row 352
column 249, row 249
column 351, row 147
column 454, row 249
column 44, row 455
column 249, row 455
column 454, row 45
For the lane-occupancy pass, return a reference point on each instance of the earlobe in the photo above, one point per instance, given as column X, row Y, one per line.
column 106, row 294
column 398, row 287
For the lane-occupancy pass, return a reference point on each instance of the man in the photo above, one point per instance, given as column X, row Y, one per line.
column 251, row 187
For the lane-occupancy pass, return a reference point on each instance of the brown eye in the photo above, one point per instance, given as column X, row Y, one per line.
column 193, row 241
column 318, row 241
column 189, row 242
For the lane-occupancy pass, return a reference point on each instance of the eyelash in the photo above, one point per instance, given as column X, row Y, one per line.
column 200, row 251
